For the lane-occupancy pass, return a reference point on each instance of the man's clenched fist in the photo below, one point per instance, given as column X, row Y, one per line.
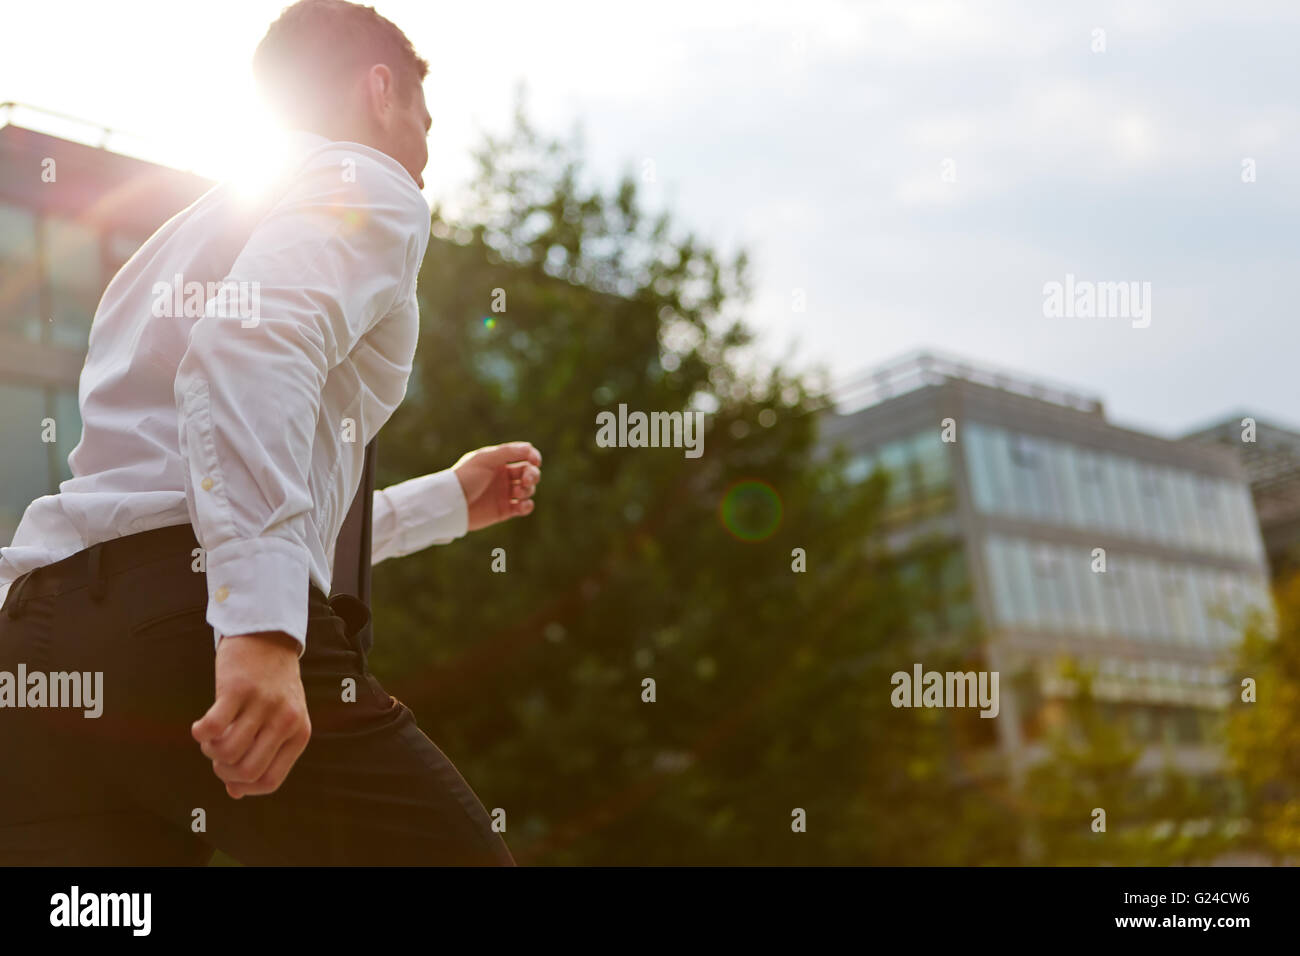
column 499, row 481
column 258, row 726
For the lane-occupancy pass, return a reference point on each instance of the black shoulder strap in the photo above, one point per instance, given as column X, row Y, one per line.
column 352, row 552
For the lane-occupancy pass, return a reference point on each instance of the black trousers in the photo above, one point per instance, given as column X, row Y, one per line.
column 131, row 787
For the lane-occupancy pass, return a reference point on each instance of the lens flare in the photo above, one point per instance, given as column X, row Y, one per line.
column 751, row 510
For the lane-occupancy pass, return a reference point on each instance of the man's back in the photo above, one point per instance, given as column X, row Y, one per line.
column 146, row 391
column 238, row 413
column 238, row 366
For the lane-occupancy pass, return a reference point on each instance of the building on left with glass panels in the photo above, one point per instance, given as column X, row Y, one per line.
column 70, row 215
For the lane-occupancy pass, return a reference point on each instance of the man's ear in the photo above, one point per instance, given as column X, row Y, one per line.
column 381, row 94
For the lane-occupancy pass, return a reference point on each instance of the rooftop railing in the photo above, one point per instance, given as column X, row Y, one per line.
column 920, row 369
column 89, row 133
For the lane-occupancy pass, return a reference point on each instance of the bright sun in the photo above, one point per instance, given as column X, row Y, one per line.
column 246, row 153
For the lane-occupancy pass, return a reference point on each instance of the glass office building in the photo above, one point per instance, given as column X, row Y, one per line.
column 1270, row 456
column 70, row 215
column 1067, row 536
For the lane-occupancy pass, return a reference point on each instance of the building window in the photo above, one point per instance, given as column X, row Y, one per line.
column 859, row 467
column 1087, row 587
column 999, row 571
column 954, row 586
column 34, row 467
column 977, row 463
column 1029, row 498
column 1072, row 486
column 118, row 248
column 19, row 275
column 1065, row 470
column 1173, row 593
column 931, row 463
column 1091, row 492
column 1129, row 500
column 936, row 578
column 24, row 467
column 1207, row 502
column 1151, row 599
column 894, row 461
column 67, row 418
column 1155, row 502
column 1049, row 588
column 1021, row 571
column 1040, row 586
column 999, row 459
column 75, row 275
column 1187, row 517
column 1112, row 600
column 1245, row 538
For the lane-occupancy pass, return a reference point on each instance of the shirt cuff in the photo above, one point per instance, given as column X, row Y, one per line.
column 430, row 509
column 258, row 585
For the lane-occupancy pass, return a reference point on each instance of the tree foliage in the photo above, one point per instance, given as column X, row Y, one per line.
column 772, row 686
column 1155, row 814
column 1264, row 730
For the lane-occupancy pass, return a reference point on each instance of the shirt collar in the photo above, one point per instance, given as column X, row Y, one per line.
column 301, row 140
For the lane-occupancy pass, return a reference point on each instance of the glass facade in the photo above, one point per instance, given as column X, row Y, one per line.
column 67, row 418
column 52, row 274
column 24, row 470
column 1058, row 483
column 919, row 468
column 919, row 471
column 939, row 581
column 33, row 467
column 1053, row 588
column 74, row 274
column 1184, row 564
column 19, row 275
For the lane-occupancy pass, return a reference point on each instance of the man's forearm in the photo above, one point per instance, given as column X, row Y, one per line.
column 414, row 514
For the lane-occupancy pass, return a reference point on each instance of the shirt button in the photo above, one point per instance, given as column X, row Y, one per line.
column 221, row 594
column 207, row 484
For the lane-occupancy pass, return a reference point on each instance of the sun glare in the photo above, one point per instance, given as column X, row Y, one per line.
column 248, row 148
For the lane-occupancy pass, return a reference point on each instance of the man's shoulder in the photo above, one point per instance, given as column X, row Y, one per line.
column 372, row 198
column 352, row 174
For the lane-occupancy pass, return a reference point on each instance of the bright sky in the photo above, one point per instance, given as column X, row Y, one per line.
column 916, row 170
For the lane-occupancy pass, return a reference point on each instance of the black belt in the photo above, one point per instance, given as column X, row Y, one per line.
column 91, row 567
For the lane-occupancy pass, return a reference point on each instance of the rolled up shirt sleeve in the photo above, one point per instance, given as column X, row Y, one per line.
column 414, row 514
column 327, row 263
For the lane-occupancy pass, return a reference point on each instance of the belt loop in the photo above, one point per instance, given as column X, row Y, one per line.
column 14, row 603
column 96, row 586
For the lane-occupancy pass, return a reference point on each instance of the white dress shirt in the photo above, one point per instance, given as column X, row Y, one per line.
column 247, row 412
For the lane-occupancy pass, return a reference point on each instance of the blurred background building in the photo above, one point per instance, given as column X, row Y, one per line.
column 59, row 246
column 1270, row 456
column 1035, row 482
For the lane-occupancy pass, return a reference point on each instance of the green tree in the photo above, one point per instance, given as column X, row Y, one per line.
column 1264, row 730
column 1154, row 816
column 772, row 685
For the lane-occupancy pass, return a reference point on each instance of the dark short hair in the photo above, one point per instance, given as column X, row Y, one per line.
column 308, row 55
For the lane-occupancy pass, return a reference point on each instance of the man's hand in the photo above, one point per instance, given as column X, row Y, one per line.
column 258, row 726
column 499, row 481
